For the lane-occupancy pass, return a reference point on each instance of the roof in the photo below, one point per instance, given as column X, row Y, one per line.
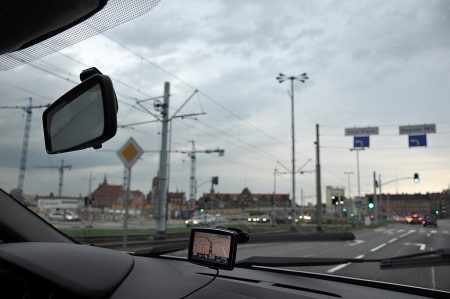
column 108, row 190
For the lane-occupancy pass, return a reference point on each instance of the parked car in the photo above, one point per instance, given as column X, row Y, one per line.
column 429, row 220
column 63, row 215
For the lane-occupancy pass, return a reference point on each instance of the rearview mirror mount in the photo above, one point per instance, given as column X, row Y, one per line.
column 84, row 117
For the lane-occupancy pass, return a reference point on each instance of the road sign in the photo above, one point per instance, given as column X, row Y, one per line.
column 361, row 141
column 361, row 131
column 417, row 129
column 130, row 152
column 417, row 140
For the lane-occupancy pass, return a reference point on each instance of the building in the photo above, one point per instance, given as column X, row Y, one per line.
column 404, row 204
column 52, row 202
column 111, row 196
column 245, row 199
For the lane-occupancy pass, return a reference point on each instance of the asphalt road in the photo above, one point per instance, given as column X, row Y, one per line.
column 384, row 242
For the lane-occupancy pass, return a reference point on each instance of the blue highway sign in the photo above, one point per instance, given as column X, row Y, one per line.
column 417, row 140
column 360, row 141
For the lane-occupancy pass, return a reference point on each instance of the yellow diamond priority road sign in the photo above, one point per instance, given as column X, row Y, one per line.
column 130, row 152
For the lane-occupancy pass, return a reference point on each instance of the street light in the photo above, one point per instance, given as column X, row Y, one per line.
column 302, row 78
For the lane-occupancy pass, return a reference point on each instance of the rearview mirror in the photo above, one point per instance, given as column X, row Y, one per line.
column 86, row 116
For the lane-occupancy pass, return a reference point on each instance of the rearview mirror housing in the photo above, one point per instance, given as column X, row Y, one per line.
column 84, row 117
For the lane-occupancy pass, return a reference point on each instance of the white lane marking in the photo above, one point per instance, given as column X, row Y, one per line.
column 400, row 230
column 433, row 280
column 428, row 235
column 380, row 229
column 356, row 242
column 378, row 247
column 407, row 233
column 332, row 270
column 339, row 267
column 433, row 231
column 422, row 246
column 445, row 231
column 392, row 240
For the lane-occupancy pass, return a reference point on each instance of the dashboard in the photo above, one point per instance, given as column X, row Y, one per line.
column 57, row 270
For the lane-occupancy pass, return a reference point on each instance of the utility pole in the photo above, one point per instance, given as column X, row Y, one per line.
column 26, row 136
column 162, row 174
column 348, row 173
column 275, row 172
column 318, row 183
column 375, row 211
column 380, row 201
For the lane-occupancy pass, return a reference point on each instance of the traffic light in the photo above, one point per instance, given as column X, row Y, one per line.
column 215, row 180
column 416, row 178
column 344, row 210
column 202, row 210
column 371, row 204
column 334, row 200
column 436, row 212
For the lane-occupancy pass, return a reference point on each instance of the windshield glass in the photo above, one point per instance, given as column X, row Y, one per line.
column 308, row 117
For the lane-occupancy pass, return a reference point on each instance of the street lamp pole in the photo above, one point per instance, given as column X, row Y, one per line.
column 302, row 78
column 357, row 149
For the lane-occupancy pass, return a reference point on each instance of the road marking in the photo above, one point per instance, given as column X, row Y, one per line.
column 400, row 230
column 378, row 247
column 445, row 231
column 428, row 235
column 421, row 245
column 356, row 242
column 392, row 240
column 407, row 233
column 433, row 280
column 339, row 267
column 433, row 231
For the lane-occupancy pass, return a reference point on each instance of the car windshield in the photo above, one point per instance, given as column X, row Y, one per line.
column 314, row 118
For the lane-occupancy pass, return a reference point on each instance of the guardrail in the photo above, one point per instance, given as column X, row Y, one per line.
column 180, row 241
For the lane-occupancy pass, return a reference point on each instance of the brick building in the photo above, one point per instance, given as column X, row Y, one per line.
column 245, row 199
column 111, row 196
column 404, row 204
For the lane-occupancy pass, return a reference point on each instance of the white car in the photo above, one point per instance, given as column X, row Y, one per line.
column 63, row 215
column 200, row 220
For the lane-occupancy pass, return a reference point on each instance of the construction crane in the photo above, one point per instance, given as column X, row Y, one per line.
column 26, row 136
column 192, row 178
column 61, row 174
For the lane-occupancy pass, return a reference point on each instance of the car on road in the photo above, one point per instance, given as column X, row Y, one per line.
column 63, row 215
column 414, row 219
column 202, row 220
column 264, row 218
column 429, row 220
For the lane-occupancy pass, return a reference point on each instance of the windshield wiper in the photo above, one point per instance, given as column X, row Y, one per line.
column 440, row 257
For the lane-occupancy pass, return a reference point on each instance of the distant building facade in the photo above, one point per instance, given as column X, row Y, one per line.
column 245, row 199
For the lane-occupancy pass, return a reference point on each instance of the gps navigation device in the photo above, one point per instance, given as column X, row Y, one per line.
column 214, row 248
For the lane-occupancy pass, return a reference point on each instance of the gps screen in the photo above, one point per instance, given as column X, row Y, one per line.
column 212, row 248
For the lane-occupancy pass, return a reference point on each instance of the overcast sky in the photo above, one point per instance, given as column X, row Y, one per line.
column 371, row 63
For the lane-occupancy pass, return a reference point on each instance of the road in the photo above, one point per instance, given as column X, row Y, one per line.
column 389, row 241
column 383, row 242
